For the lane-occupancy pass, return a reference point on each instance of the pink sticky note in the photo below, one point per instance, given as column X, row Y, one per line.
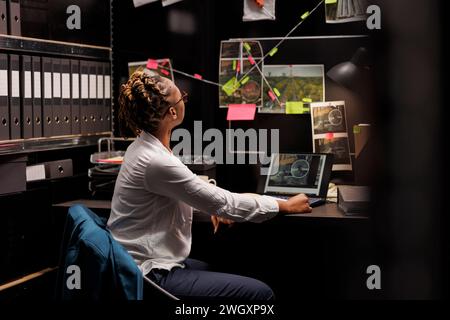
column 165, row 72
column 197, row 76
column 166, row 61
column 252, row 61
column 329, row 135
column 152, row 64
column 271, row 95
column 241, row 112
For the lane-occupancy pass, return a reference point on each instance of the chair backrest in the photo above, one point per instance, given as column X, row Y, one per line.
column 105, row 269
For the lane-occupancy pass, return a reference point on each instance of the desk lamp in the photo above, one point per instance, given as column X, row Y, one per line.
column 353, row 74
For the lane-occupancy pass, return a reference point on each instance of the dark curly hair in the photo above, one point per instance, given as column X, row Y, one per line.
column 142, row 102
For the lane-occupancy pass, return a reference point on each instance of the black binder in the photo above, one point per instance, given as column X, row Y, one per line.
column 3, row 17
column 14, row 18
column 100, row 98
column 66, row 124
column 84, row 109
column 26, row 97
column 14, row 97
column 4, row 101
column 75, row 96
column 93, row 111
column 37, row 96
column 56, row 97
column 47, row 107
column 107, row 95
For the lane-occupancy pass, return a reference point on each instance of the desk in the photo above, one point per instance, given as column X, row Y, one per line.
column 327, row 211
column 326, row 251
column 103, row 208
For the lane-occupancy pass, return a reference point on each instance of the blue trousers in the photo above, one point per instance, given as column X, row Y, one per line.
column 196, row 282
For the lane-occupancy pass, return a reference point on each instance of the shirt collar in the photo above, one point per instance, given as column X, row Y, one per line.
column 148, row 137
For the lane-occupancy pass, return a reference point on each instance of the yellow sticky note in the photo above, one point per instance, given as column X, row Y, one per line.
column 273, row 51
column 305, row 15
column 245, row 80
column 234, row 64
column 294, row 107
column 307, row 100
column 276, row 92
column 247, row 46
column 330, row 1
column 356, row 129
column 231, row 86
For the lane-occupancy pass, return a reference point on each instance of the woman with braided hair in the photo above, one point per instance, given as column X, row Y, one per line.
column 151, row 214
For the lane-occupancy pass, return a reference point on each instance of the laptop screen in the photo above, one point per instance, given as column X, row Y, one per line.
column 296, row 173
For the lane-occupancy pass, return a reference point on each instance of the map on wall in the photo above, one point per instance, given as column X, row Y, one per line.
column 292, row 84
column 236, row 60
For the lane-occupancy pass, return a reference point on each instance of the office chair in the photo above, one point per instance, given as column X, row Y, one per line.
column 107, row 271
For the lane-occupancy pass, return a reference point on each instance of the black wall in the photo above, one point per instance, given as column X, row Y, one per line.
column 408, row 115
column 140, row 33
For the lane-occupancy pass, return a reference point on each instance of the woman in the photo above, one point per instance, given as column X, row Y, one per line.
column 151, row 214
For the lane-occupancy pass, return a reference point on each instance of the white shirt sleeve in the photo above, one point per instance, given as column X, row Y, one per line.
column 169, row 177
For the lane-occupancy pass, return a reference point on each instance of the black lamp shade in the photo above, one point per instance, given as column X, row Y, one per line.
column 352, row 74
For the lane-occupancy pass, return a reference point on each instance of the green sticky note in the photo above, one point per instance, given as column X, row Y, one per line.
column 245, row 80
column 295, row 107
column 234, row 64
column 356, row 129
column 305, row 15
column 276, row 92
column 330, row 1
column 231, row 86
column 247, row 46
column 273, row 51
column 307, row 100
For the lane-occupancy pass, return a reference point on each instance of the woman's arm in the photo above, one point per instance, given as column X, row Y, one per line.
column 169, row 177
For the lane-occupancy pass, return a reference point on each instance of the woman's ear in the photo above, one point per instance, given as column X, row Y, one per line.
column 173, row 113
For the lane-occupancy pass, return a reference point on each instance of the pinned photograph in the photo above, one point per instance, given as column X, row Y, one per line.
column 341, row 11
column 291, row 84
column 339, row 147
column 237, row 87
column 329, row 118
column 329, row 132
column 255, row 10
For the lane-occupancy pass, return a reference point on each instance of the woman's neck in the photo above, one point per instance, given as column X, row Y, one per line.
column 163, row 135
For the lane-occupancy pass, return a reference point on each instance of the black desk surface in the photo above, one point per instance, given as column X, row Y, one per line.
column 327, row 211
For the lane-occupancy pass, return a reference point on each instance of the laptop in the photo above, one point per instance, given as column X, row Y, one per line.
column 291, row 174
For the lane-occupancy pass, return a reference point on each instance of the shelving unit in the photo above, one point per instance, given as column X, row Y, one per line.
column 47, row 144
column 31, row 229
column 52, row 48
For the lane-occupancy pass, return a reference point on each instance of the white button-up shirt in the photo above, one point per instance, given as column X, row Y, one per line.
column 151, row 211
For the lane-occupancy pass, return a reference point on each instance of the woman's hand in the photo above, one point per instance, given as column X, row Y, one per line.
column 295, row 204
column 217, row 220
